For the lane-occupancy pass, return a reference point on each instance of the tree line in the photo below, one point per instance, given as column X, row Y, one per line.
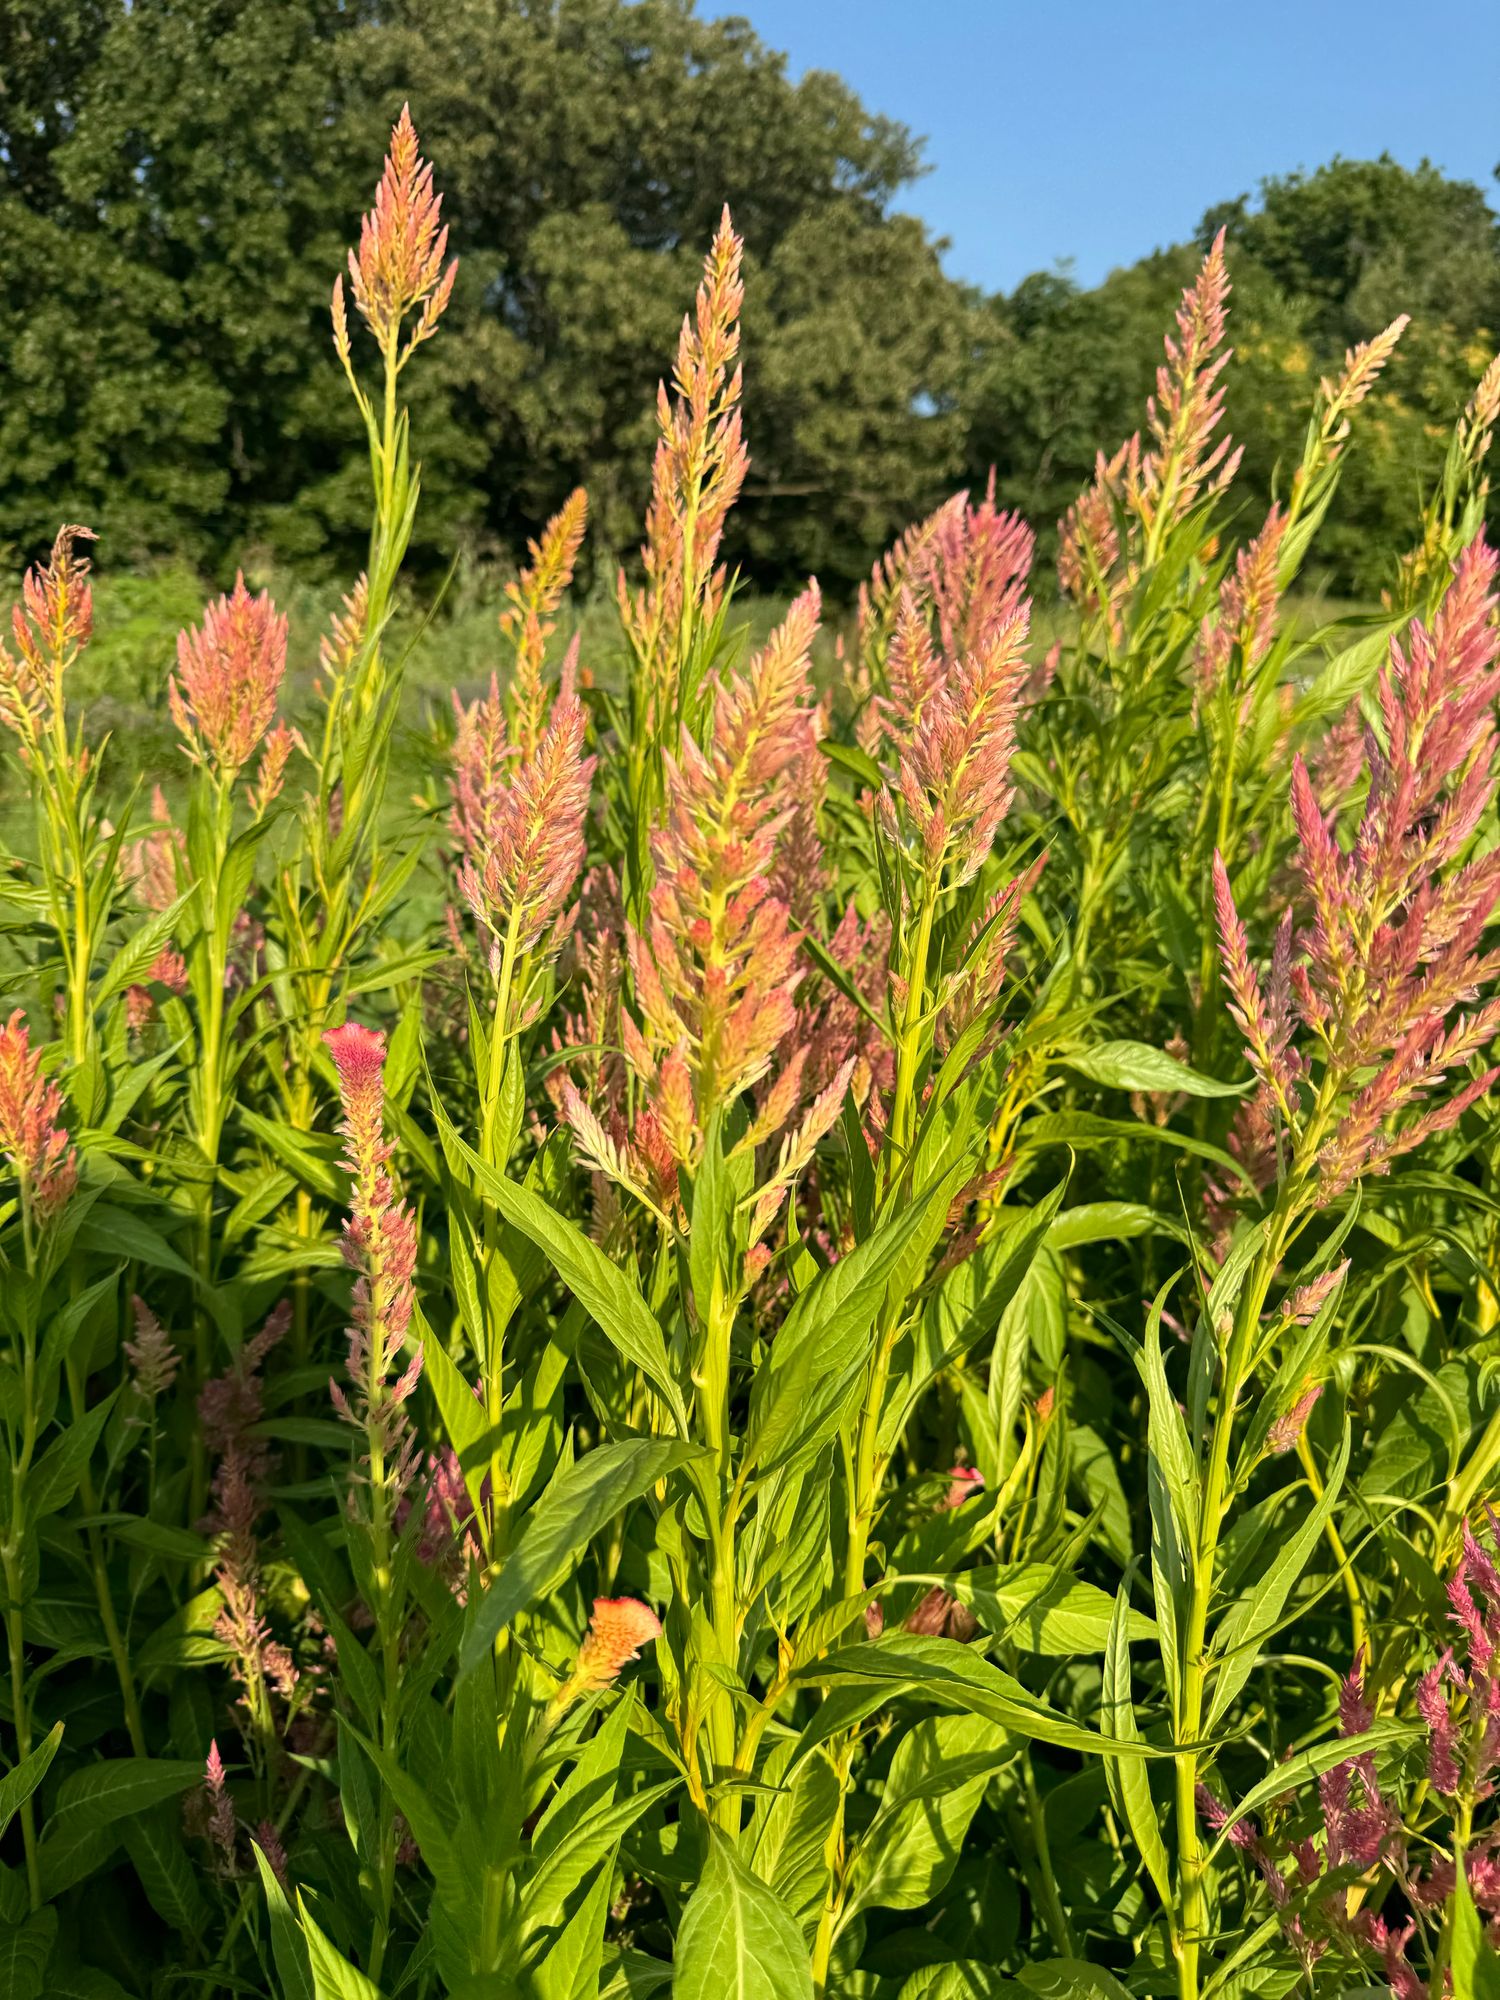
column 177, row 177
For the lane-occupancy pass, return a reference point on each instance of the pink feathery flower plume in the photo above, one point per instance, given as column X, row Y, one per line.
column 716, row 968
column 31, row 1137
column 529, row 618
column 903, row 571
column 1246, row 616
column 975, row 562
column 953, row 771
column 696, row 477
column 50, row 626
column 1149, row 489
column 229, row 672
column 402, row 244
column 1388, row 973
column 380, row 1245
column 230, row 1409
column 523, row 834
column 1189, row 402
column 1094, row 534
column 153, row 1358
column 1459, row 1695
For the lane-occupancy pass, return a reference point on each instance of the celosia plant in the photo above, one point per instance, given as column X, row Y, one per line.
column 833, row 1334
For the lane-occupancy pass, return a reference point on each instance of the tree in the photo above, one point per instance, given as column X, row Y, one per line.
column 168, row 237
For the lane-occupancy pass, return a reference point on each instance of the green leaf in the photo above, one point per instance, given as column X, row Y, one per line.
column 92, row 1802
column 153, row 1840
column 118, row 1232
column 1137, row 1066
column 24, row 1951
column 738, row 1940
column 1129, row 1782
column 948, row 1671
column 134, row 959
column 1474, row 1961
column 1253, row 1616
column 583, row 1500
column 937, row 1778
column 1078, row 1129
column 288, row 1947
column 821, row 1347
column 18, row 1785
column 333, row 1977
column 961, row 1979
column 54, row 1479
column 1071, row 1979
column 1037, row 1609
column 583, row 1267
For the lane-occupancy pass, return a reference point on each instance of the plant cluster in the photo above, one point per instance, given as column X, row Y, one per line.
column 791, row 1339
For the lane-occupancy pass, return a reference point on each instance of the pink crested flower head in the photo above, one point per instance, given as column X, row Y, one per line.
column 229, row 672
column 618, row 1628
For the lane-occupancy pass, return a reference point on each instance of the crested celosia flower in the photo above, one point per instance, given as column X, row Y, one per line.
column 903, row 571
column 696, row 477
column 153, row 864
column 268, row 1840
column 1476, row 426
column 525, row 837
column 402, row 244
column 968, row 996
column 1383, row 982
column 964, row 1481
column 31, row 1137
column 153, row 1358
column 380, row 1244
column 1360, row 1830
column 1307, row 1301
column 974, row 563
column 1092, row 534
column 1363, row 366
column 51, row 625
column 167, row 969
column 223, row 695
column 618, row 1628
column 529, row 619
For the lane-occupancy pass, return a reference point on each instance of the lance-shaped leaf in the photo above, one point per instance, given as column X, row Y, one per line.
column 738, row 1940
column 581, row 1501
column 1254, row 1615
column 821, row 1348
column 600, row 1285
column 1129, row 1784
column 947, row 1671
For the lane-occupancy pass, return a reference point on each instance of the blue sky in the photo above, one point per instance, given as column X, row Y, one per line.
column 1094, row 131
